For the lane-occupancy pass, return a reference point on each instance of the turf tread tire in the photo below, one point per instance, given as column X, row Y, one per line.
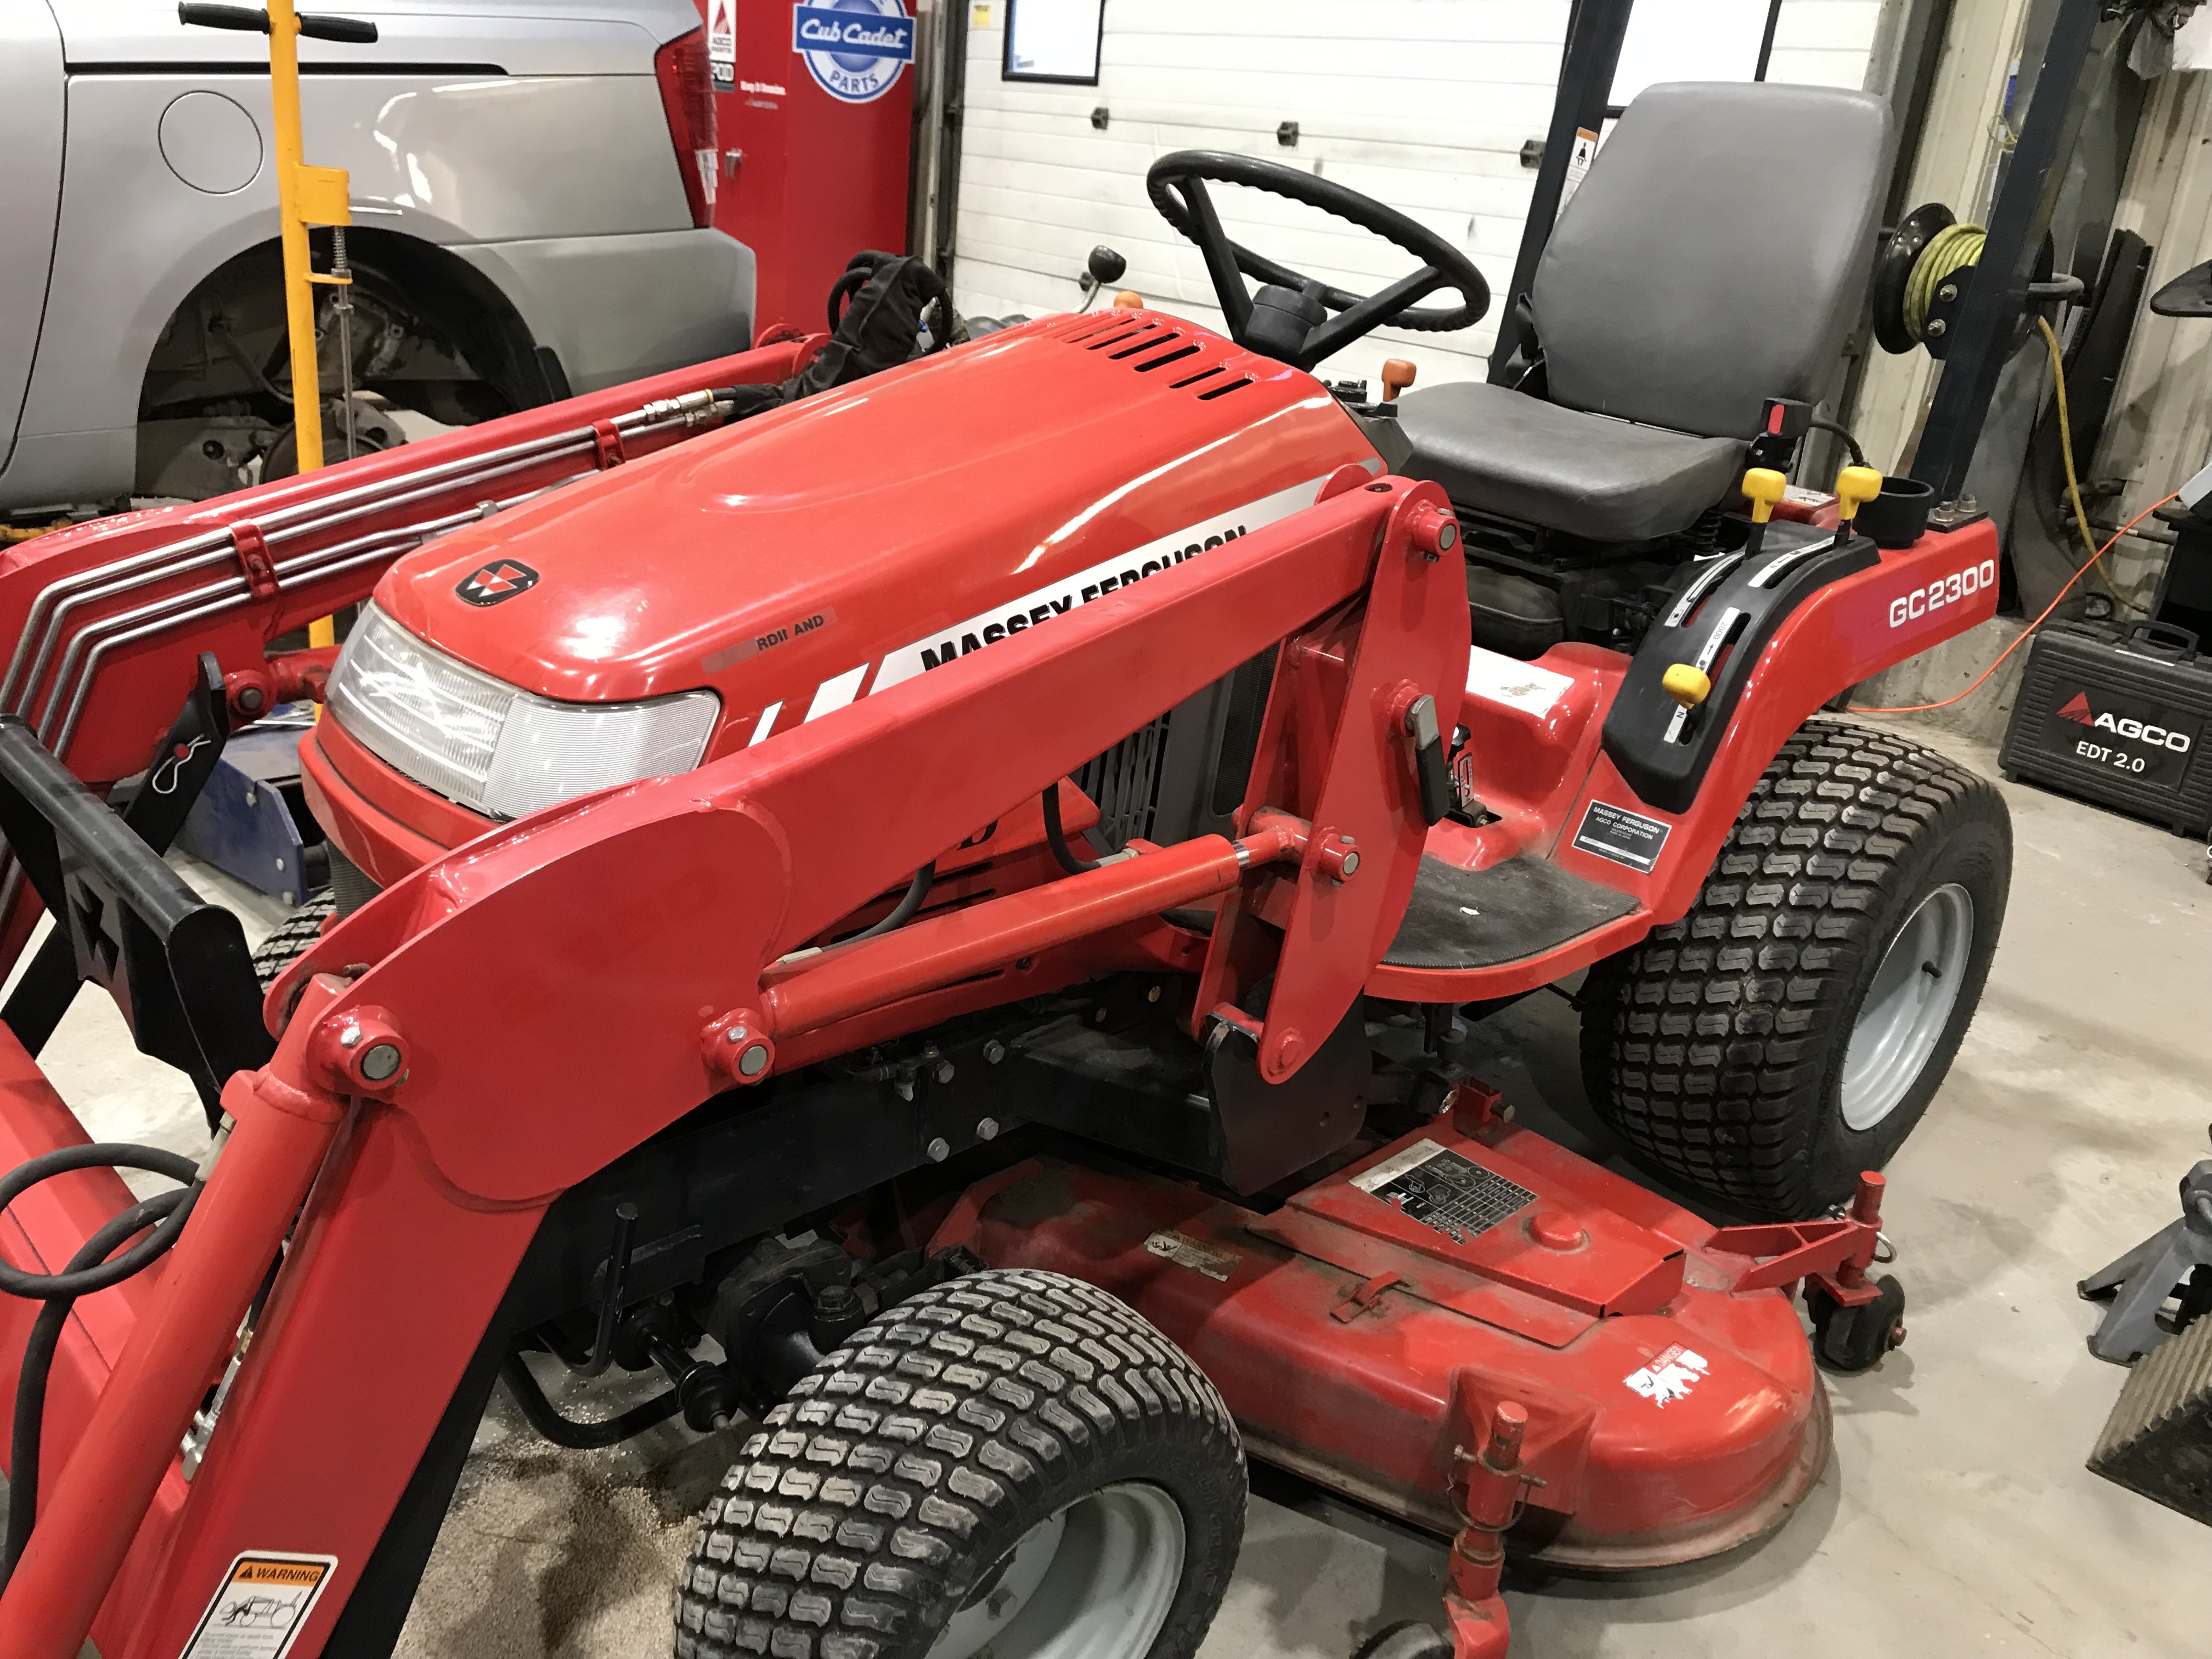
column 289, row 940
column 880, row 1491
column 1714, row 1047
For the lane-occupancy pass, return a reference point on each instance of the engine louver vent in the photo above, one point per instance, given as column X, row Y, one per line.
column 1146, row 344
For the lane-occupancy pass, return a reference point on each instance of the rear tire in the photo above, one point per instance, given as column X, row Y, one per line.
column 1011, row 1458
column 1769, row 1046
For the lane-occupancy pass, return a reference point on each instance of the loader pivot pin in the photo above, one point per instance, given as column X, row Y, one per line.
column 737, row 1046
column 360, row 1052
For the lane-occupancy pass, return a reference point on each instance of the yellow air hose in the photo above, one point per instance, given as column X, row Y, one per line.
column 1949, row 251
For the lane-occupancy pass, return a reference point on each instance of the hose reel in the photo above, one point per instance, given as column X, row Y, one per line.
column 1922, row 274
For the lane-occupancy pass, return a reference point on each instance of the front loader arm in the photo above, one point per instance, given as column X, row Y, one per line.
column 505, row 1022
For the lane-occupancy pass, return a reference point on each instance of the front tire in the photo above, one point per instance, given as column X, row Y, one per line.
column 1790, row 1031
column 1014, row 1463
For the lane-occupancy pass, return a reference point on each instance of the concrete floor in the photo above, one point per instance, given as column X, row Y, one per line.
column 1955, row 1517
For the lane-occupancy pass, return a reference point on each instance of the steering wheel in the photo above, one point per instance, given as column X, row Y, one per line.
column 1289, row 319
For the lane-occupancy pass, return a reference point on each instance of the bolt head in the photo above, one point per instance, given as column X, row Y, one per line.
column 735, row 1034
column 1937, row 326
column 944, row 1073
column 986, row 1129
column 381, row 1060
column 753, row 1061
column 938, row 1150
column 993, row 1052
column 350, row 1037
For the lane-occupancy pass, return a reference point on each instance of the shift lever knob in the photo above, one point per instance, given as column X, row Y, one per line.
column 1763, row 485
column 1855, row 487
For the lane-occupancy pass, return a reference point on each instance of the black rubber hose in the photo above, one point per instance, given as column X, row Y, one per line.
column 1858, row 455
column 169, row 1210
column 567, row 1431
column 1058, row 839
column 72, row 1281
column 903, row 912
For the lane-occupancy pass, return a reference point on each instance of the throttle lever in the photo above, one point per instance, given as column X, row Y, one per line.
column 1438, row 797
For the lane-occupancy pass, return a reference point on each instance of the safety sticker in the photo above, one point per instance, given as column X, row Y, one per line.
column 1522, row 685
column 1187, row 1252
column 1670, row 1375
column 1625, row 837
column 1441, row 1189
column 1579, row 158
column 262, row 1606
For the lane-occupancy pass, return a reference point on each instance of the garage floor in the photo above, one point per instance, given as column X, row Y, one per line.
column 1956, row 1518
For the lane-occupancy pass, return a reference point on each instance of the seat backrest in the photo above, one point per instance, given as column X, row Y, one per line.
column 1715, row 255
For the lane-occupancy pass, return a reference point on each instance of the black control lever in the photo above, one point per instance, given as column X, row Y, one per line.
column 1429, row 764
column 353, row 31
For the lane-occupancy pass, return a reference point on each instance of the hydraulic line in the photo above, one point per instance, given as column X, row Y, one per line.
column 1057, row 838
column 903, row 912
column 89, row 1270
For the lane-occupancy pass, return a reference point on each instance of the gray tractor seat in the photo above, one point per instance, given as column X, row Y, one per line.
column 1502, row 452
column 1715, row 256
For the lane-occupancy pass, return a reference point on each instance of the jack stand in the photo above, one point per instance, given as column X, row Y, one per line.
column 2178, row 1257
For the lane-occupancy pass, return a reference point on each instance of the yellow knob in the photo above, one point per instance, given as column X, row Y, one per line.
column 1765, row 487
column 1855, row 486
column 1686, row 685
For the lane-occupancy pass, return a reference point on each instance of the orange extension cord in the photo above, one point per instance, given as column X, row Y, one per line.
column 2027, row 632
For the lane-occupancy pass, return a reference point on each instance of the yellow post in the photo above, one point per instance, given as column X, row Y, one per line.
column 305, row 195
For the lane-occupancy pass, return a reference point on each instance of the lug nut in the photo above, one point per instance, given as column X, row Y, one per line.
column 938, row 1150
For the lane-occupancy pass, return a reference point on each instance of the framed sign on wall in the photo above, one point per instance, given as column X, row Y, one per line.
column 1054, row 40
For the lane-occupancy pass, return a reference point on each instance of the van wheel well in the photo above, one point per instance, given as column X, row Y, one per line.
column 429, row 333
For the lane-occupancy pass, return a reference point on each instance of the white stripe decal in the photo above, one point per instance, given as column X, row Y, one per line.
column 833, row 695
column 1065, row 592
column 767, row 720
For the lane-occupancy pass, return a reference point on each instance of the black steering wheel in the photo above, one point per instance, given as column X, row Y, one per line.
column 1289, row 319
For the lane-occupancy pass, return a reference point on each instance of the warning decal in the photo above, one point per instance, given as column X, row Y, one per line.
column 1439, row 1189
column 261, row 1606
column 1187, row 1252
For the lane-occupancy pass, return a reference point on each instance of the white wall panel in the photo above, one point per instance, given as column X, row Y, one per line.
column 1424, row 103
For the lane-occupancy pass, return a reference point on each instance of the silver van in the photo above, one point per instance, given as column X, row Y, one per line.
column 533, row 192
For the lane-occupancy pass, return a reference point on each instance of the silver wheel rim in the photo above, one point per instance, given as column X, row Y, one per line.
column 1096, row 1581
column 1902, row 1016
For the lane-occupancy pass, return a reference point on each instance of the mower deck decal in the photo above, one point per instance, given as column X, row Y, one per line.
column 1187, row 1252
column 261, row 1607
column 1064, row 594
column 1669, row 1377
column 1496, row 677
column 1442, row 1189
column 1625, row 837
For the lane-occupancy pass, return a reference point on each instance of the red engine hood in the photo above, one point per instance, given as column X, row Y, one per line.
column 810, row 555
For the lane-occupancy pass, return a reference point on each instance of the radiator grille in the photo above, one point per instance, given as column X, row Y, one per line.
column 1125, row 782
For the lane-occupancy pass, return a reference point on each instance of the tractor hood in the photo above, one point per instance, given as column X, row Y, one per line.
column 827, row 550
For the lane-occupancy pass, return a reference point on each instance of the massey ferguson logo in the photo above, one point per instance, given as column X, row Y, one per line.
column 502, row 579
column 2079, row 711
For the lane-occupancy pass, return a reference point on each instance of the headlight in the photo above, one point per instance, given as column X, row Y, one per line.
column 493, row 749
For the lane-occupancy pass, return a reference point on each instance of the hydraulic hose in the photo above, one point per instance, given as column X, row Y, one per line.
column 89, row 1270
column 1058, row 840
column 903, row 912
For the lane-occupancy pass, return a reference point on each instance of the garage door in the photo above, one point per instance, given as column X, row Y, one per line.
column 1432, row 106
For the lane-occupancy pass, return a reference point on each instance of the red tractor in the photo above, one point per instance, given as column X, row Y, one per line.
column 945, row 916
